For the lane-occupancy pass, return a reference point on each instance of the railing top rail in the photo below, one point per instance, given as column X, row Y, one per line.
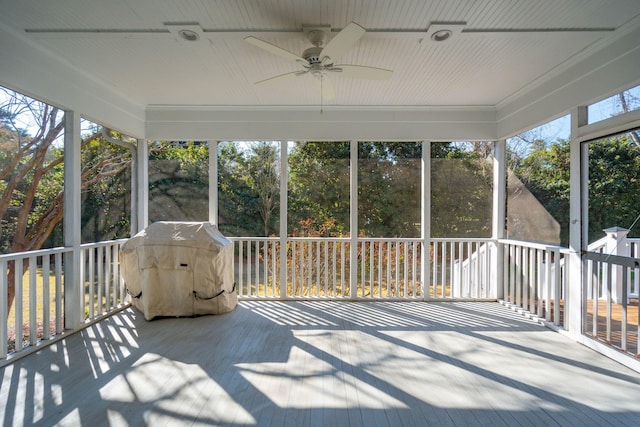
column 329, row 239
column 533, row 245
column 613, row 259
column 40, row 252
column 598, row 244
column 462, row 239
column 103, row 243
column 389, row 239
column 259, row 239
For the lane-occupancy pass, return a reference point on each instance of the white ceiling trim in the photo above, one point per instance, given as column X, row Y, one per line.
column 369, row 123
column 602, row 74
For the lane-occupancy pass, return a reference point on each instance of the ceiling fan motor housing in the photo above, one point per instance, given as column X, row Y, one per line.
column 313, row 55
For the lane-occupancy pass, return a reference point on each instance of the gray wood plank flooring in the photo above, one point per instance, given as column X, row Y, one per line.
column 321, row 363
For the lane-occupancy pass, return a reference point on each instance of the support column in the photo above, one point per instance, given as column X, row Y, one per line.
column 498, row 218
column 142, row 172
column 578, row 208
column 73, row 301
column 284, row 232
column 353, row 224
column 213, row 182
column 425, row 219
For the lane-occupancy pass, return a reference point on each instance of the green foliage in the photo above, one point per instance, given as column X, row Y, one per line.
column 319, row 189
column 106, row 189
column 614, row 185
column 461, row 190
column 389, row 189
column 249, row 188
column 178, row 181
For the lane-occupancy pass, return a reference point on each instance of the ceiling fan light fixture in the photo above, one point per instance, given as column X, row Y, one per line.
column 188, row 35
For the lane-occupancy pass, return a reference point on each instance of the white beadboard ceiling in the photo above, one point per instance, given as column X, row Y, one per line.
column 504, row 48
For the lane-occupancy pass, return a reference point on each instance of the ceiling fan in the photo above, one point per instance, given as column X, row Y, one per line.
column 320, row 60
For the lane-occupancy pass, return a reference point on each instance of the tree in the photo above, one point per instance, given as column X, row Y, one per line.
column 178, row 181
column 319, row 189
column 249, row 188
column 31, row 174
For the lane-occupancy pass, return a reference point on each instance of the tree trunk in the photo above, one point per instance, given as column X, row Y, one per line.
column 11, row 289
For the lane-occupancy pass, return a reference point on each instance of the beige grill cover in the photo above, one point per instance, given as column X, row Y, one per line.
column 179, row 269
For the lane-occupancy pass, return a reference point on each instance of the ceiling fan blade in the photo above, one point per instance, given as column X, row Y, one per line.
column 273, row 49
column 343, row 41
column 363, row 72
column 325, row 86
column 281, row 77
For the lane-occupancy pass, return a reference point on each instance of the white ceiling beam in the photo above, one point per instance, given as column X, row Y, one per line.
column 362, row 123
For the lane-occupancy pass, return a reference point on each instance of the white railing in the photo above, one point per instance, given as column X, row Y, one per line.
column 617, row 243
column 102, row 284
column 387, row 268
column 462, row 268
column 604, row 316
column 318, row 267
column 534, row 278
column 37, row 310
column 257, row 266
column 37, row 278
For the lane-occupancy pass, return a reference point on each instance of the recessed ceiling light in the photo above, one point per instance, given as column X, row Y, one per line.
column 441, row 35
column 188, row 35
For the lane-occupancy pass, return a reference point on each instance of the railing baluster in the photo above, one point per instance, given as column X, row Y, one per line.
column 414, row 269
column 592, row 273
column 443, row 270
column 625, row 296
column 434, row 269
column 275, row 275
column 381, row 247
column 343, row 264
column 547, row 284
column 100, row 279
column 609, row 267
column 255, row 268
column 33, row 302
column 59, row 315
column 406, row 269
column 107, row 279
column 265, row 262
column 326, row 267
column 389, row 270
column 318, row 276
column 4, row 292
column 46, row 297
column 239, row 267
column 90, row 280
column 293, row 268
column 396, row 289
column 309, row 290
column 18, row 303
column 334, row 267
column 114, row 276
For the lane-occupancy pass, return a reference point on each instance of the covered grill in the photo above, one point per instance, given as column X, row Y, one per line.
column 179, row 269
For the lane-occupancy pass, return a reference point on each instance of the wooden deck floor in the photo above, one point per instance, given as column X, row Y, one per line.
column 324, row 364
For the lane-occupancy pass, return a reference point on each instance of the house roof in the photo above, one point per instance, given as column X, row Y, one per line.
column 125, row 61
